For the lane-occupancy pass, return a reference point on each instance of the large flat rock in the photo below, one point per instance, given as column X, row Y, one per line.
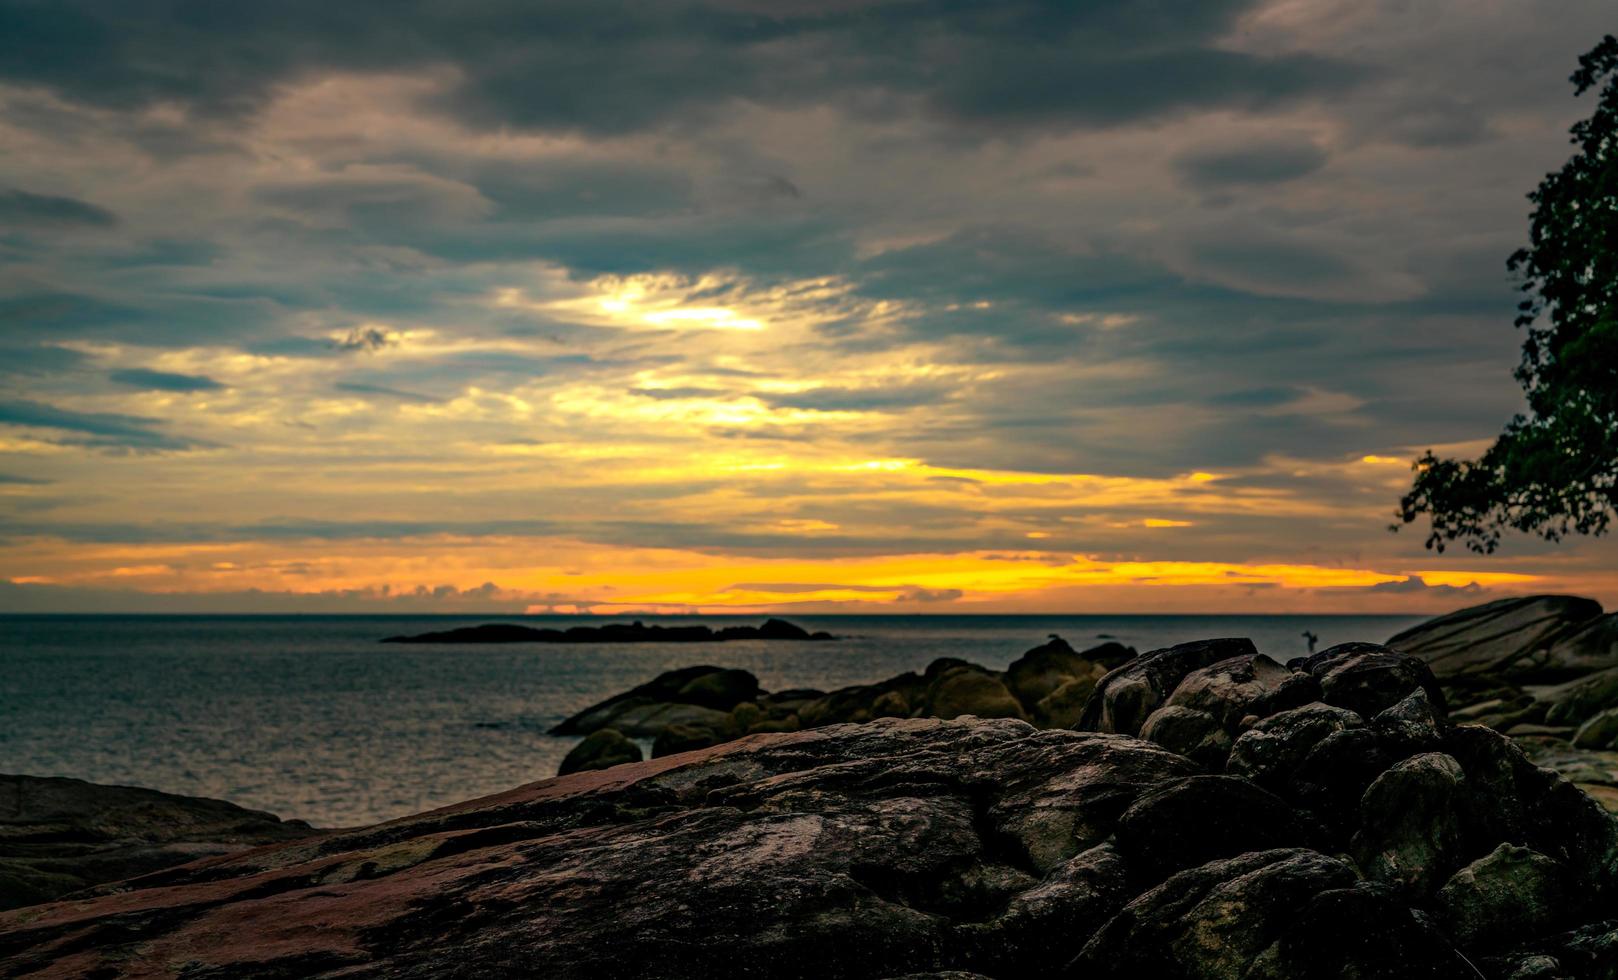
column 1535, row 639
column 58, row 836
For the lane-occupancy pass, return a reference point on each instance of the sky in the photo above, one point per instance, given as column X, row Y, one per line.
column 703, row 305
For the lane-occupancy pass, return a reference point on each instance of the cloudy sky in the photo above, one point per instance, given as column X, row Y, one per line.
column 888, row 305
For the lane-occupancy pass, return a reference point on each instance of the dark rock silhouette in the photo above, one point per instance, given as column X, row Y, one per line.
column 59, row 836
column 636, row 632
column 600, row 750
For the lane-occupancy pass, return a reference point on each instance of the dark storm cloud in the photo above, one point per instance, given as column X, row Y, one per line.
column 614, row 66
column 21, row 208
column 164, row 381
column 1264, row 163
column 105, row 430
column 854, row 399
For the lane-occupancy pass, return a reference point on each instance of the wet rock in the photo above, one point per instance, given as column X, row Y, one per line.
column 600, row 750
column 1412, row 834
column 1063, row 707
column 1191, row 821
column 1513, row 800
column 1213, row 921
column 1035, row 674
column 1240, row 686
column 1411, row 726
column 1194, row 734
column 686, row 738
column 58, row 836
column 645, row 710
column 1074, row 899
column 1361, row 933
column 1368, row 679
column 1573, row 702
column 721, row 690
column 1273, row 749
column 1509, row 638
column 1511, row 895
column 1591, row 647
column 967, row 689
column 1599, row 732
column 1127, row 696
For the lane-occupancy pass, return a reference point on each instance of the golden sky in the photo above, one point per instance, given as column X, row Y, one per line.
column 765, row 320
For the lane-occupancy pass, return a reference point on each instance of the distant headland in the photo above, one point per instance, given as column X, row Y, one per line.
column 636, row 632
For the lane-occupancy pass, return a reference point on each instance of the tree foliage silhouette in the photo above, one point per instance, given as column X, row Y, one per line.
column 1553, row 471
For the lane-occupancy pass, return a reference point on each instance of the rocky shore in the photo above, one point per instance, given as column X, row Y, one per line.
column 1219, row 815
column 59, row 836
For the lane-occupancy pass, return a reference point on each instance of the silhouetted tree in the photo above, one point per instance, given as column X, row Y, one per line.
column 1553, row 471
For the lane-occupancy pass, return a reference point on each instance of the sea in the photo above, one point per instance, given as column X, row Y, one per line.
column 313, row 717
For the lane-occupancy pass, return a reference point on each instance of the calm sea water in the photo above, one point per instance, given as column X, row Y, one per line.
column 311, row 717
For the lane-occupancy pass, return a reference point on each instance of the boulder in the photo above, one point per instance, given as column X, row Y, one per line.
column 721, row 690
column 1275, row 748
column 1063, row 707
column 967, row 689
column 1411, row 726
column 1368, row 679
column 1509, row 638
column 1194, row 734
column 1188, row 822
column 59, row 836
column 1511, row 895
column 1573, row 702
column 1212, row 921
column 600, row 750
column 1412, row 831
column 684, row 738
column 1035, row 674
column 1598, row 732
column 1513, row 800
column 1591, row 647
column 1361, row 933
column 1127, row 696
column 647, row 709
column 1234, row 688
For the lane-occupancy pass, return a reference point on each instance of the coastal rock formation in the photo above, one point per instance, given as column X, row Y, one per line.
column 1536, row 639
column 915, row 847
column 694, row 707
column 600, row 750
column 59, row 836
column 636, row 632
column 1541, row 669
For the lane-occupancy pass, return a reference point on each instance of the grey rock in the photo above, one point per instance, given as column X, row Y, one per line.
column 1412, row 830
column 1368, row 679
column 1511, row 895
column 1510, row 638
column 60, row 836
column 1245, row 685
column 1194, row 734
column 1599, row 732
column 1127, row 696
column 600, row 750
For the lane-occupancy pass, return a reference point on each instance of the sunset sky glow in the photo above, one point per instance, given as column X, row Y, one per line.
column 864, row 306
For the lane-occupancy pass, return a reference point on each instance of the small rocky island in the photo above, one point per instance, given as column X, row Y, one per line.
column 636, row 632
column 1199, row 812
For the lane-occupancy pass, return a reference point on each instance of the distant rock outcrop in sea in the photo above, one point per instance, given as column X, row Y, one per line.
column 636, row 632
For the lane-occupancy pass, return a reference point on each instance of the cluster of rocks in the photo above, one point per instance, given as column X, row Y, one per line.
column 1323, row 819
column 636, row 632
column 695, row 707
column 1542, row 669
column 58, row 836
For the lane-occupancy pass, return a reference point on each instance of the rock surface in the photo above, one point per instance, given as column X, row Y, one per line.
column 909, row 847
column 601, row 750
column 1517, row 639
column 58, row 836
